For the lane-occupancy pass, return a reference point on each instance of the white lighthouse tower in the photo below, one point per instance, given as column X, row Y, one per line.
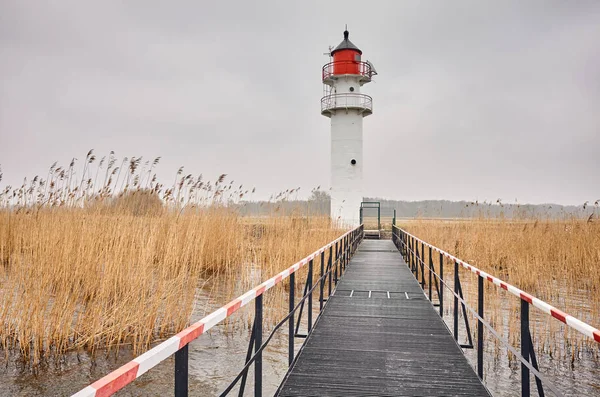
column 346, row 106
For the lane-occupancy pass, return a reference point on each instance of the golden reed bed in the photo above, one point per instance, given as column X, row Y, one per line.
column 556, row 260
column 88, row 278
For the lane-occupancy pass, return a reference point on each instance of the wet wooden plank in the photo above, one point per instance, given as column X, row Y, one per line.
column 380, row 346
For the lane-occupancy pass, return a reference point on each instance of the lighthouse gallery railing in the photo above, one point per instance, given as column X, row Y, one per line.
column 338, row 68
column 346, row 101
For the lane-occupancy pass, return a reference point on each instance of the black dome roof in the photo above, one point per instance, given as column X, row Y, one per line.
column 346, row 45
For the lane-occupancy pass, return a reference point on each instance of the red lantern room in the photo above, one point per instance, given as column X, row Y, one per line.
column 347, row 61
column 346, row 57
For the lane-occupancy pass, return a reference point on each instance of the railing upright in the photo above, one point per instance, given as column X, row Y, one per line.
column 423, row 266
column 430, row 273
column 258, row 319
column 181, row 372
column 480, row 290
column 330, row 270
column 456, row 300
column 441, row 285
column 525, row 387
column 310, row 294
column 415, row 266
column 335, row 264
column 291, row 331
column 322, row 282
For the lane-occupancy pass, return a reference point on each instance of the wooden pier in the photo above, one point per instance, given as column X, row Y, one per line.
column 380, row 336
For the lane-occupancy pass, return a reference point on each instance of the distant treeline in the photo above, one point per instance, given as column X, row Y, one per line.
column 319, row 204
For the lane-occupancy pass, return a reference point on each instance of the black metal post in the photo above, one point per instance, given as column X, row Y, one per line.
column 257, row 344
column 403, row 239
column 258, row 317
column 430, row 271
column 322, row 282
column 248, row 357
column 291, row 320
column 525, row 387
column 416, row 264
column 310, row 293
column 344, row 254
column 335, row 264
column 480, row 327
column 330, row 269
column 348, row 251
column 410, row 253
column 456, row 301
column 441, row 285
column 181, row 372
column 422, row 266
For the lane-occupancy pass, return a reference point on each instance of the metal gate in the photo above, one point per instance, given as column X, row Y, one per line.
column 370, row 217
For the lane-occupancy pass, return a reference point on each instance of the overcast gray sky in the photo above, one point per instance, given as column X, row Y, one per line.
column 474, row 99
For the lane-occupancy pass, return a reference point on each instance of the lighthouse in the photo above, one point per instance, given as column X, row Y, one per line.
column 346, row 106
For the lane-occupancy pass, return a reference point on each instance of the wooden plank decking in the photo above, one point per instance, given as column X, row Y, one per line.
column 384, row 345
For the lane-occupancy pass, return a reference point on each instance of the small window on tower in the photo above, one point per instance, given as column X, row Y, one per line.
column 351, row 89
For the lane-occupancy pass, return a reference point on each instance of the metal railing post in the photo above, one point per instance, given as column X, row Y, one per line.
column 310, row 293
column 442, row 285
column 349, row 249
column 417, row 259
column 330, row 267
column 335, row 264
column 258, row 318
column 525, row 387
column 423, row 266
column 480, row 290
column 291, row 320
column 456, row 300
column 344, row 254
column 430, row 273
column 181, row 372
column 412, row 254
column 409, row 245
column 322, row 282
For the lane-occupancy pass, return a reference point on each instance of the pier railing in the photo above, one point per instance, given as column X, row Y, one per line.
column 413, row 249
column 339, row 253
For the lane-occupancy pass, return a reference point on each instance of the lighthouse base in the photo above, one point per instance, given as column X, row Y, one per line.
column 346, row 167
column 345, row 212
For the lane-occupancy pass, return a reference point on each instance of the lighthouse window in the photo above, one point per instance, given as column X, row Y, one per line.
column 351, row 89
column 353, row 162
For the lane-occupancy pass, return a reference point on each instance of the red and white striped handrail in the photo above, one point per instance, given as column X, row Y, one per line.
column 127, row 373
column 571, row 321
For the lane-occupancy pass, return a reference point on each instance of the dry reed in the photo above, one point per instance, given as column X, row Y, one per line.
column 121, row 263
column 556, row 260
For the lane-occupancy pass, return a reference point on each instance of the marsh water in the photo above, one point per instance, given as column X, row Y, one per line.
column 216, row 358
